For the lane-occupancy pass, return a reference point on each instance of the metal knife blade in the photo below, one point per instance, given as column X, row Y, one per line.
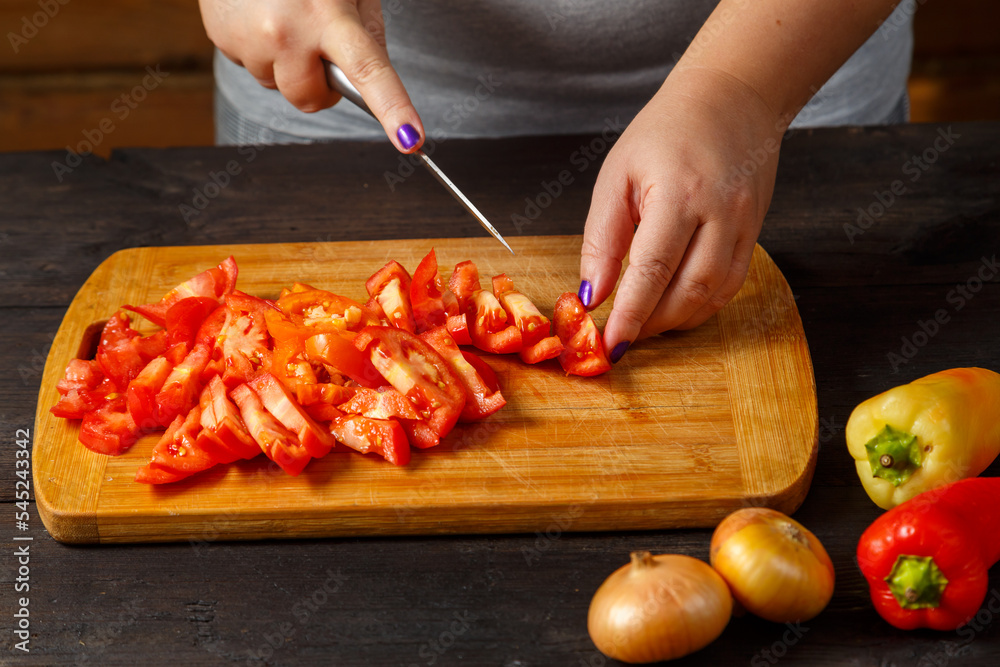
column 339, row 82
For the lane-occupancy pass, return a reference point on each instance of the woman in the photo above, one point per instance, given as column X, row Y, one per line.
column 705, row 116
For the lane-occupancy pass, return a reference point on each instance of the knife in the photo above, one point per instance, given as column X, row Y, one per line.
column 337, row 80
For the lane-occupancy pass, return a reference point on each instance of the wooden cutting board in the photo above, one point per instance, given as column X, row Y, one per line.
column 688, row 427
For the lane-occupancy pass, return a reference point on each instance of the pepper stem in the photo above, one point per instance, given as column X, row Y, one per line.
column 916, row 582
column 894, row 455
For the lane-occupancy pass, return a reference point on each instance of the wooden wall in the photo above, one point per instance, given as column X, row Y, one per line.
column 64, row 74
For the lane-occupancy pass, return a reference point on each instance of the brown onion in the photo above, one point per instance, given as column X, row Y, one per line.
column 658, row 608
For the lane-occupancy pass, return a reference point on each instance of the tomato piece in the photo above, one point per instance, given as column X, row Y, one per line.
column 109, row 428
column 154, row 473
column 420, row 435
column 458, row 327
column 214, row 283
column 384, row 437
column 549, row 347
column 418, row 372
column 390, row 287
column 279, row 402
column 212, row 325
column 488, row 326
column 584, row 350
column 341, row 355
column 290, row 364
column 481, row 400
column 184, row 319
column 464, row 283
column 177, row 449
column 180, row 390
column 152, row 346
column 277, row 442
column 432, row 301
column 244, row 340
column 117, row 352
column 82, row 388
column 381, row 403
column 521, row 311
column 221, row 420
column 142, row 391
column 323, row 392
column 323, row 412
column 321, row 312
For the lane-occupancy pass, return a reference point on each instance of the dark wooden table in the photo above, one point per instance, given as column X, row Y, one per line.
column 863, row 293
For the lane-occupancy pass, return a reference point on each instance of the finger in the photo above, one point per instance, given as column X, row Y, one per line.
column 701, row 273
column 366, row 63
column 302, row 80
column 606, row 236
column 730, row 286
column 263, row 71
column 655, row 257
column 234, row 59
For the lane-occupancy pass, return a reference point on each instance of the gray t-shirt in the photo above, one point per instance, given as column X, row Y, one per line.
column 488, row 68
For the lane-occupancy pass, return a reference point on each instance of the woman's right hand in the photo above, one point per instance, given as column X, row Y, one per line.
column 282, row 43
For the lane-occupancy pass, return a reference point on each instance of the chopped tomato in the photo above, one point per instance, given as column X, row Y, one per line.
column 152, row 346
column 182, row 386
column 117, row 352
column 245, row 342
column 214, row 283
column 481, row 400
column 222, row 421
column 289, row 361
column 420, row 435
column 521, row 311
column 390, row 287
column 464, row 283
column 82, row 388
column 212, row 325
column 321, row 312
column 323, row 392
column 277, row 442
column 108, row 428
column 458, row 327
column 584, row 351
column 323, row 412
column 381, row 403
column 279, row 402
column 184, row 319
column 432, row 301
column 488, row 327
column 384, row 437
column 549, row 347
column 142, row 391
column 341, row 356
column 177, row 454
column 418, row 372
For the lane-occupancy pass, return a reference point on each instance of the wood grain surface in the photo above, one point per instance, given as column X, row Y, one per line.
column 689, row 427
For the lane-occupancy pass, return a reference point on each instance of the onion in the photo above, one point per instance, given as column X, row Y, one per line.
column 776, row 568
column 658, row 608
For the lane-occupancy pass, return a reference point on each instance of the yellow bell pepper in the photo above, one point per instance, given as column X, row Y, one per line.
column 933, row 431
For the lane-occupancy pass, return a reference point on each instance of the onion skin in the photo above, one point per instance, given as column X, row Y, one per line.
column 776, row 568
column 658, row 608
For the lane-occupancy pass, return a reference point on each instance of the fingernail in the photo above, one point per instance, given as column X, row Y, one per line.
column 408, row 135
column 619, row 351
column 586, row 292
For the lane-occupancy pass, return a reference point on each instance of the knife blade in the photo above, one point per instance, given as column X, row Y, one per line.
column 338, row 81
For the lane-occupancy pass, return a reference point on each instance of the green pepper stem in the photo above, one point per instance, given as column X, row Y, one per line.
column 894, row 455
column 916, row 582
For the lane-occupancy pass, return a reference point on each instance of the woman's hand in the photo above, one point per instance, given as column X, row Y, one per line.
column 695, row 171
column 282, row 44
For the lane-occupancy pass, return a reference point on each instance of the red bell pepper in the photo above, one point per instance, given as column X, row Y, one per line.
column 927, row 560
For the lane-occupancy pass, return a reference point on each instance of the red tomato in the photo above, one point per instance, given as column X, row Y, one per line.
column 244, row 340
column 432, row 301
column 177, row 454
column 214, row 283
column 182, row 386
column 323, row 392
column 584, row 351
column 481, row 400
column 221, row 420
column 341, row 356
column 418, row 372
column 464, row 283
column 458, row 327
column 547, row 348
column 390, row 287
column 277, row 442
column 184, row 319
column 82, row 388
column 384, row 437
column 321, row 312
column 420, row 434
column 142, row 391
column 118, row 353
column 488, row 326
column 381, row 403
column 521, row 311
column 108, row 428
column 280, row 403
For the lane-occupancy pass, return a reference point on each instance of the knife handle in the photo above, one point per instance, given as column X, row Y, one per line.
column 337, row 80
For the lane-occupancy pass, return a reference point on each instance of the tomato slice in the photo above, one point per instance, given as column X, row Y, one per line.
column 83, row 387
column 464, row 283
column 180, row 390
column 420, row 434
column 279, row 402
column 184, row 319
column 177, row 454
column 432, row 301
column 384, row 437
column 418, row 372
column 244, row 340
column 226, row 436
column 381, row 403
column 118, row 352
column 481, row 400
column 390, row 287
column 549, row 347
column 277, row 442
column 214, row 283
column 212, row 325
column 341, row 356
column 289, row 362
column 323, row 392
column 109, row 428
column 488, row 326
column 320, row 312
column 142, row 391
column 458, row 327
column 584, row 351
column 521, row 311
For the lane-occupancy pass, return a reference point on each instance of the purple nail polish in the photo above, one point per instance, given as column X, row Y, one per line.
column 408, row 135
column 586, row 292
column 619, row 351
